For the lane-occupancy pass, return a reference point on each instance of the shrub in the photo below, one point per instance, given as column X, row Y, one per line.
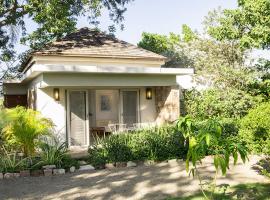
column 23, row 128
column 53, row 152
column 255, row 129
column 9, row 162
column 221, row 103
column 149, row 144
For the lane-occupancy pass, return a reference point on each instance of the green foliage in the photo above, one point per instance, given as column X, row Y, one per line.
column 249, row 24
column 255, row 129
column 222, row 103
column 23, row 127
column 201, row 140
column 149, row 144
column 55, row 18
column 53, row 153
column 9, row 162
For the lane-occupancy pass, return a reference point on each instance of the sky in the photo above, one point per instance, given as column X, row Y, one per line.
column 158, row 16
column 155, row 16
column 163, row 16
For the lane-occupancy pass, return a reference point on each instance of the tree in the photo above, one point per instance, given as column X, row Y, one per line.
column 55, row 19
column 249, row 23
column 203, row 138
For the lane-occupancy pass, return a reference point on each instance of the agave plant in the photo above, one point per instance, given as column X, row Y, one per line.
column 24, row 127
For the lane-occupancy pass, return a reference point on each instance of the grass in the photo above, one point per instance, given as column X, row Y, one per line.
column 253, row 191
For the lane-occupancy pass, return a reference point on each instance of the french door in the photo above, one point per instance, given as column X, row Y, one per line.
column 78, row 127
column 129, row 107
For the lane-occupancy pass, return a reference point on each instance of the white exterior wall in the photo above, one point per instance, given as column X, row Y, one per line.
column 54, row 110
column 147, row 107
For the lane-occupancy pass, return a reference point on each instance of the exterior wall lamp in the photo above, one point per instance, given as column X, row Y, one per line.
column 56, row 94
column 148, row 93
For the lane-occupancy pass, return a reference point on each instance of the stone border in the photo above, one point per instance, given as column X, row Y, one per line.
column 51, row 170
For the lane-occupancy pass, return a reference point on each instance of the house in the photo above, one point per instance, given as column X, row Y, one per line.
column 90, row 79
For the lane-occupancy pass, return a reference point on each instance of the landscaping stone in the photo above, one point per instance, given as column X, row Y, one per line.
column 16, row 175
column 131, row 164
column 8, row 175
column 72, row 169
column 109, row 166
column 36, row 173
column 120, row 164
column 59, row 171
column 86, row 167
column 49, row 167
column 24, row 173
column 48, row 172
column 1, row 176
column 149, row 162
column 82, row 162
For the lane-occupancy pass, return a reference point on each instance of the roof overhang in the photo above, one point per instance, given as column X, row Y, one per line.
column 37, row 69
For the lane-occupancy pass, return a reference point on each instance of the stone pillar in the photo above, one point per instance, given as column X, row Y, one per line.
column 167, row 104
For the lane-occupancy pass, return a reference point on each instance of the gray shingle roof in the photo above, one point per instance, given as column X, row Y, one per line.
column 92, row 43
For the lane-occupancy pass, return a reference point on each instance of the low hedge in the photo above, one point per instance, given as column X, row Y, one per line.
column 150, row 144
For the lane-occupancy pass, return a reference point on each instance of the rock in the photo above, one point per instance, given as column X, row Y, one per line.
column 109, row 166
column 86, row 167
column 48, row 172
column 82, row 162
column 1, row 176
column 36, row 173
column 49, row 167
column 72, row 169
column 24, row 173
column 16, row 175
column 8, row 175
column 59, row 171
column 120, row 164
column 131, row 164
column 149, row 162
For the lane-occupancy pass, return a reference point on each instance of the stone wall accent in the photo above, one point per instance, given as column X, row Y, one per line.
column 167, row 104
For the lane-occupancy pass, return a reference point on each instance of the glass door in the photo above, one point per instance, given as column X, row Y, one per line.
column 130, row 109
column 78, row 127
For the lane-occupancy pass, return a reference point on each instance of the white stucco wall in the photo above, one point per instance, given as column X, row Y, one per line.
column 147, row 108
column 55, row 110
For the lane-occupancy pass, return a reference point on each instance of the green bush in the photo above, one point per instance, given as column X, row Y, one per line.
column 221, row 103
column 52, row 152
column 22, row 129
column 255, row 129
column 10, row 162
column 149, row 144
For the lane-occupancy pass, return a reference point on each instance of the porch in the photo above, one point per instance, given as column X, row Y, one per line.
column 93, row 114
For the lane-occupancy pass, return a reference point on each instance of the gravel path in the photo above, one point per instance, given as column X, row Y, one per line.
column 143, row 182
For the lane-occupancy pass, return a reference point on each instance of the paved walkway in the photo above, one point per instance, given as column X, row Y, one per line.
column 143, row 182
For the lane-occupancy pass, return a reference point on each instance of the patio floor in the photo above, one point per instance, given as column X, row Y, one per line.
column 158, row 181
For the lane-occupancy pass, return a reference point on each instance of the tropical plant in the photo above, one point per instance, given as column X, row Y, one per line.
column 200, row 141
column 23, row 129
column 10, row 162
column 53, row 152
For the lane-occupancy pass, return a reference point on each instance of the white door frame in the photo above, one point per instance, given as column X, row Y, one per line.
column 121, row 105
column 86, row 117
